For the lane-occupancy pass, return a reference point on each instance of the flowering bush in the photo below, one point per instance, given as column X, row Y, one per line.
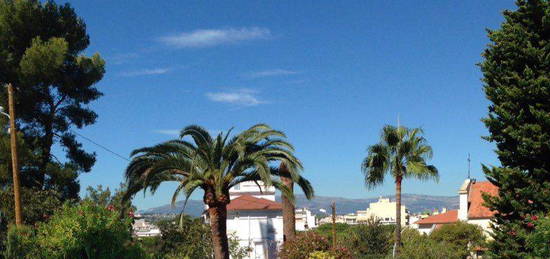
column 320, row 255
column 538, row 238
column 310, row 242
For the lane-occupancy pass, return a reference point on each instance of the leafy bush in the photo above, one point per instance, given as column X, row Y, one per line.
column 342, row 231
column 371, row 240
column 538, row 239
column 82, row 231
column 186, row 237
column 18, row 242
column 419, row 246
column 320, row 255
column 309, row 242
column 38, row 206
column 463, row 237
column 303, row 245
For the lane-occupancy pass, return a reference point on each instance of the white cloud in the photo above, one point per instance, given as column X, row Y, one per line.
column 244, row 97
column 145, row 72
column 272, row 72
column 213, row 37
column 122, row 58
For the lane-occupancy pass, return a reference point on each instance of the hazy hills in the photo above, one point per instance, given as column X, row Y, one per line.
column 414, row 202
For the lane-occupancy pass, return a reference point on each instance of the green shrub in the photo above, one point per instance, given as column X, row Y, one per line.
column 369, row 240
column 184, row 236
column 82, row 231
column 303, row 245
column 538, row 239
column 321, row 255
column 308, row 242
column 463, row 237
column 419, row 246
column 18, row 243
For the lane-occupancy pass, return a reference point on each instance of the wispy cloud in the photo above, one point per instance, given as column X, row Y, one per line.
column 169, row 132
column 271, row 72
column 122, row 58
column 145, row 72
column 213, row 37
column 244, row 97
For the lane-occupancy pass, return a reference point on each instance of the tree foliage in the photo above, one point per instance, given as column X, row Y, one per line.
column 82, row 231
column 41, row 46
column 185, row 237
column 460, row 236
column 370, row 239
column 402, row 153
column 214, row 165
column 516, row 69
column 419, row 246
column 105, row 198
column 309, row 242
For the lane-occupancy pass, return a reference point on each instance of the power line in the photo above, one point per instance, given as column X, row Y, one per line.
column 101, row 146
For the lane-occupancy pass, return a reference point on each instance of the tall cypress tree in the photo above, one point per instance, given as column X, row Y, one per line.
column 516, row 70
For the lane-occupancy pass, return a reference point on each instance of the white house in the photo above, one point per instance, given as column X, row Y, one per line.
column 255, row 219
column 304, row 219
column 383, row 210
column 471, row 208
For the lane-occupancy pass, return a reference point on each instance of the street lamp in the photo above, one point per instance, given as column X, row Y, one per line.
column 14, row 161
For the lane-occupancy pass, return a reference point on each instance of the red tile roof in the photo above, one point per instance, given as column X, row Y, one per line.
column 249, row 202
column 477, row 210
column 443, row 218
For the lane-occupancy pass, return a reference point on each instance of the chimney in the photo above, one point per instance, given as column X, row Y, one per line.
column 463, row 194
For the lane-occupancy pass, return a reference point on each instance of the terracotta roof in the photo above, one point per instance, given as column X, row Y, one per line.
column 476, row 209
column 249, row 202
column 443, row 218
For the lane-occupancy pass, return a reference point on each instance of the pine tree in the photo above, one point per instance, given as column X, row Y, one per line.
column 516, row 70
column 41, row 47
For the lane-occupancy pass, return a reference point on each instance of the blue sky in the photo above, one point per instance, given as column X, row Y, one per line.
column 330, row 74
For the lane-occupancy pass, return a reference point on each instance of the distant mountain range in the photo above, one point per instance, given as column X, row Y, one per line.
column 414, row 202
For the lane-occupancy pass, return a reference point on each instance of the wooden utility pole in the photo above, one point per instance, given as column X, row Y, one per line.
column 333, row 206
column 14, row 161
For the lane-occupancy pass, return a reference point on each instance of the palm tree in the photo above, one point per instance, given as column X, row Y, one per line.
column 402, row 153
column 215, row 165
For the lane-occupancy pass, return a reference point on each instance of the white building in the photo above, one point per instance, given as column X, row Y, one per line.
column 383, row 210
column 471, row 208
column 255, row 219
column 350, row 219
column 142, row 228
column 305, row 220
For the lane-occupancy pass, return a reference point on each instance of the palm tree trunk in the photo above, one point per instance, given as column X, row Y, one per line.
column 218, row 227
column 398, row 214
column 289, row 213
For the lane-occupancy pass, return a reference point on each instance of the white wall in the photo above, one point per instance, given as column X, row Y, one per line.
column 261, row 230
column 303, row 218
column 426, row 228
column 483, row 223
column 463, row 193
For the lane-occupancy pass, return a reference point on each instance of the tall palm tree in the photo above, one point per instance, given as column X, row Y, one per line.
column 199, row 161
column 401, row 153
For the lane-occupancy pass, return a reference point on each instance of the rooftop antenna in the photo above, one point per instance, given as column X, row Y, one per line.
column 469, row 165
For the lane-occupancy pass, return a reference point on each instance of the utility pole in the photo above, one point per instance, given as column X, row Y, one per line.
column 14, row 161
column 333, row 206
